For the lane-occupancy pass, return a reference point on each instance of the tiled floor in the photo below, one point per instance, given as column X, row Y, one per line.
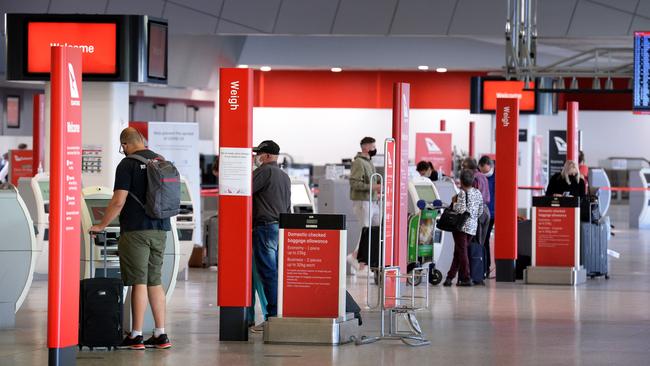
column 600, row 323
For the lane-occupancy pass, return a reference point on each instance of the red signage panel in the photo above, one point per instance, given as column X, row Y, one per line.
column 495, row 89
column 389, row 207
column 555, row 236
column 507, row 142
column 311, row 273
column 436, row 148
column 401, row 112
column 96, row 41
column 65, row 197
column 21, row 164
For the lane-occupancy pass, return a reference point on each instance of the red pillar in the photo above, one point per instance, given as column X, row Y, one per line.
column 471, row 138
column 235, row 203
column 401, row 103
column 38, row 139
column 443, row 125
column 507, row 142
column 65, row 205
column 572, row 131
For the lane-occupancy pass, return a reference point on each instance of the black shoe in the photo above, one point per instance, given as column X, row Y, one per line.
column 132, row 343
column 447, row 282
column 464, row 283
column 479, row 283
column 160, row 342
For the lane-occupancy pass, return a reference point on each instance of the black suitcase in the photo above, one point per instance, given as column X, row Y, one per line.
column 475, row 256
column 362, row 255
column 351, row 306
column 211, row 241
column 101, row 307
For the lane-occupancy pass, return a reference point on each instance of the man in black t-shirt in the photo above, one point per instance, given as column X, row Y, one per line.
column 141, row 244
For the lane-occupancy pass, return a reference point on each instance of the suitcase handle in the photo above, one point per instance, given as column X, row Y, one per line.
column 97, row 238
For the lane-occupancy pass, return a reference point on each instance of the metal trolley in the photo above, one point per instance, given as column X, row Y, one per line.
column 390, row 301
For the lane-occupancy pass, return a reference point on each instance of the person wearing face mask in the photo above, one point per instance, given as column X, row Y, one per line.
column 141, row 244
column 426, row 169
column 568, row 182
column 360, row 188
column 271, row 197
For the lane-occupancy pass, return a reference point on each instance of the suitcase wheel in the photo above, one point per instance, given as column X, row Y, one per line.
column 435, row 277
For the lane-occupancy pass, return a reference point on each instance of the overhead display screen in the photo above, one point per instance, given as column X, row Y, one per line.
column 641, row 72
column 493, row 89
column 157, row 51
column 97, row 41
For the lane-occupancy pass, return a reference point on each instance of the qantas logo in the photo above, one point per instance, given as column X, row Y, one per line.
column 18, row 159
column 561, row 145
column 432, row 147
column 74, row 90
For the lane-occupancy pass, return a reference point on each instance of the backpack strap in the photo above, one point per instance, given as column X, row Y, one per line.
column 143, row 160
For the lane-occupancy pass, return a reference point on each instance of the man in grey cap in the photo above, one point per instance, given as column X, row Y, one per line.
column 271, row 197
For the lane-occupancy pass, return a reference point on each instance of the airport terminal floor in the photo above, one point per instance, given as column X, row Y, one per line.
column 603, row 322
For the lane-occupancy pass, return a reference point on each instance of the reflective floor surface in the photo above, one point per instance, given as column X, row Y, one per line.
column 604, row 322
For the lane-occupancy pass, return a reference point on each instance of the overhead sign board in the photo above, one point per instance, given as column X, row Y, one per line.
column 493, row 89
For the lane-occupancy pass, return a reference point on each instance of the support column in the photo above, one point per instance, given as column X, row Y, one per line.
column 401, row 105
column 572, row 142
column 443, row 125
column 38, row 131
column 507, row 136
column 472, row 126
column 235, row 202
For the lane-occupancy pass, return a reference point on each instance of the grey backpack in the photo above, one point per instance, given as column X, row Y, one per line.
column 163, row 197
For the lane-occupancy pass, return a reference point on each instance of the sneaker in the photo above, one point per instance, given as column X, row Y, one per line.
column 258, row 328
column 160, row 342
column 132, row 343
column 447, row 282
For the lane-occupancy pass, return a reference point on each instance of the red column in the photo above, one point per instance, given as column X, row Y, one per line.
column 443, row 125
column 401, row 103
column 235, row 208
column 471, row 139
column 507, row 141
column 65, row 204
column 572, row 131
column 38, row 140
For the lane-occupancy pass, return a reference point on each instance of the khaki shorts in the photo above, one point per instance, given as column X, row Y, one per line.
column 141, row 256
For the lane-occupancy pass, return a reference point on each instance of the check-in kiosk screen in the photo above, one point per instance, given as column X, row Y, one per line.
column 426, row 193
column 185, row 194
column 299, row 194
column 44, row 185
column 97, row 209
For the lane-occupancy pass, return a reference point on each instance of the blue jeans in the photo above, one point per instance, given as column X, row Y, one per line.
column 259, row 288
column 265, row 255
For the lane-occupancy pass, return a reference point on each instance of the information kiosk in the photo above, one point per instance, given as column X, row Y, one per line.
column 185, row 225
column 96, row 201
column 18, row 252
column 302, row 200
column 640, row 199
column 35, row 192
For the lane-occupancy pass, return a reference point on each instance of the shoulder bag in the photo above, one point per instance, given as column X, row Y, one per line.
column 451, row 221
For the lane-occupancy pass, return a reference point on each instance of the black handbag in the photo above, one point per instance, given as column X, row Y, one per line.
column 451, row 220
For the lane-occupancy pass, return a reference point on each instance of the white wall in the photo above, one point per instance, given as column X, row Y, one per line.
column 327, row 135
column 11, row 142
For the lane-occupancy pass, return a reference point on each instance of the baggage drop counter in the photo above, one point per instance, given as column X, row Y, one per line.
column 555, row 253
column 96, row 200
column 311, row 282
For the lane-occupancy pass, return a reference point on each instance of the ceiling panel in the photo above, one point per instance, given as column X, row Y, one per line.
column 153, row 8
column 479, row 17
column 625, row 5
column 639, row 24
column 257, row 14
column 212, row 7
column 553, row 17
column 592, row 20
column 13, row 6
column 423, row 17
column 186, row 21
column 364, row 16
column 644, row 8
column 306, row 16
column 76, row 6
column 228, row 27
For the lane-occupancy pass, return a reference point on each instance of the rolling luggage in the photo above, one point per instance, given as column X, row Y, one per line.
column 594, row 240
column 101, row 307
column 211, row 241
column 475, row 256
column 351, row 306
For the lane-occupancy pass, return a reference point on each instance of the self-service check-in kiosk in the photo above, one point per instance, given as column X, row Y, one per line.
column 185, row 225
column 302, row 200
column 96, row 201
column 18, row 252
column 35, row 192
column 640, row 199
column 598, row 179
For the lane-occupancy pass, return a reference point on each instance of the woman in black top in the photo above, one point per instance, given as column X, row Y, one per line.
column 568, row 180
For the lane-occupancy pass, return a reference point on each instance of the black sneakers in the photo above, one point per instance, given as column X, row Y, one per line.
column 447, row 282
column 132, row 343
column 160, row 342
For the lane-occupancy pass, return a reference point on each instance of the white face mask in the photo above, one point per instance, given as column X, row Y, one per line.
column 258, row 161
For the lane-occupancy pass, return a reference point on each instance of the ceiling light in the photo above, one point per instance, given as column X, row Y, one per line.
column 336, row 69
column 574, row 84
column 441, row 69
column 609, row 84
column 595, row 85
column 242, row 66
column 265, row 68
column 423, row 67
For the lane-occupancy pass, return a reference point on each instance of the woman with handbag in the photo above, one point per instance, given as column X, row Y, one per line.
column 469, row 203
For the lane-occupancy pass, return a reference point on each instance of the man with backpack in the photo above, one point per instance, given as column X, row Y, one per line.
column 140, row 182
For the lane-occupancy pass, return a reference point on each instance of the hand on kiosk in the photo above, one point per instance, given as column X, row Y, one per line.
column 112, row 211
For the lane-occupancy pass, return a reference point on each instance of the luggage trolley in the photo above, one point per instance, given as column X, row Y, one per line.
column 422, row 254
column 390, row 302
